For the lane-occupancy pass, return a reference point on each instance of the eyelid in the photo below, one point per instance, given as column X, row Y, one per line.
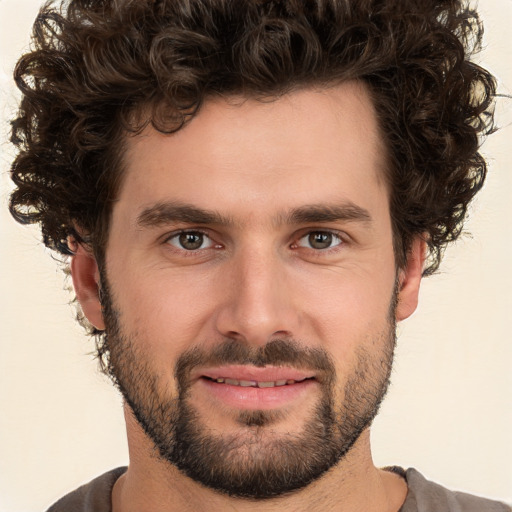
column 169, row 236
column 340, row 235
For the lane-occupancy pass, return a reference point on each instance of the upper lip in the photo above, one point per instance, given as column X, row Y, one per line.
column 253, row 373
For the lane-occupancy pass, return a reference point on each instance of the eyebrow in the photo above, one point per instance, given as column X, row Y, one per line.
column 171, row 212
column 167, row 213
column 346, row 211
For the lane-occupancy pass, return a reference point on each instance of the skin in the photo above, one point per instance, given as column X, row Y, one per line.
column 256, row 278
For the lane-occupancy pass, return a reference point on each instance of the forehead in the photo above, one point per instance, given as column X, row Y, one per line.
column 305, row 147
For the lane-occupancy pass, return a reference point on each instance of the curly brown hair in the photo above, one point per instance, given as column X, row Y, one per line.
column 98, row 69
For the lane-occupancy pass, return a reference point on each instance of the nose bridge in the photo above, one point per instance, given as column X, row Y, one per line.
column 258, row 306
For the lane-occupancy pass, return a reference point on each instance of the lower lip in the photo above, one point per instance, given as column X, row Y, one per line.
column 252, row 398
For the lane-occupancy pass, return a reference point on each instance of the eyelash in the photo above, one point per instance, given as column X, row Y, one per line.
column 191, row 252
column 341, row 237
column 318, row 251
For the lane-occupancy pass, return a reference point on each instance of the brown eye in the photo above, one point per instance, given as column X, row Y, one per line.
column 190, row 241
column 320, row 240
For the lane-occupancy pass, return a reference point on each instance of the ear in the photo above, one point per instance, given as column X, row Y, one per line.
column 409, row 279
column 86, row 279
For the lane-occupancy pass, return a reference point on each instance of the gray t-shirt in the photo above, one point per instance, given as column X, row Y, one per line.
column 423, row 496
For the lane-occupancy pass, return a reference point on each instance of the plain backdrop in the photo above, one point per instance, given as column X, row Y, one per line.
column 448, row 412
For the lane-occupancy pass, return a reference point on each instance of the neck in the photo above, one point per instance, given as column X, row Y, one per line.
column 354, row 484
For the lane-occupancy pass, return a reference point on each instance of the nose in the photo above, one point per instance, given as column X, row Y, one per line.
column 259, row 302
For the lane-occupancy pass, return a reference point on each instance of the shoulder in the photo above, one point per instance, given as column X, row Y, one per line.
column 92, row 497
column 426, row 496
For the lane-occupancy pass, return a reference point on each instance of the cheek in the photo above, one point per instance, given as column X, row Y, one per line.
column 350, row 324
column 348, row 299
column 168, row 311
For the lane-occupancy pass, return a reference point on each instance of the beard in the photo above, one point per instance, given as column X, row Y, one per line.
column 257, row 463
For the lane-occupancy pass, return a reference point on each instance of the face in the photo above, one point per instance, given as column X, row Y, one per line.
column 250, row 288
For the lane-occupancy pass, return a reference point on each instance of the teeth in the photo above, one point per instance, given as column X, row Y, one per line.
column 248, row 383
column 256, row 384
column 266, row 384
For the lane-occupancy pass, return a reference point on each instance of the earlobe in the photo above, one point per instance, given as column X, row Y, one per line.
column 409, row 279
column 85, row 275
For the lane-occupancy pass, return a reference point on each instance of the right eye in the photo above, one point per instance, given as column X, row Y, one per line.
column 190, row 241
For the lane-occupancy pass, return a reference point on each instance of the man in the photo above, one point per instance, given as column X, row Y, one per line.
column 250, row 194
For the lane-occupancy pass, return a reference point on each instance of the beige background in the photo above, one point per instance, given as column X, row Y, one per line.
column 449, row 409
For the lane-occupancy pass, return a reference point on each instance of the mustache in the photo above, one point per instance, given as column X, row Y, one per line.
column 276, row 352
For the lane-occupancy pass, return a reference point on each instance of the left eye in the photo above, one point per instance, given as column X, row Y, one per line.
column 319, row 240
column 190, row 241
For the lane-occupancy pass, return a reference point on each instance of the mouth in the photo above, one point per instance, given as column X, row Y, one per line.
column 253, row 376
column 256, row 383
column 250, row 387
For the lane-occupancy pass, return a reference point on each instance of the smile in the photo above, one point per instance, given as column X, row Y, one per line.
column 243, row 387
column 255, row 383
